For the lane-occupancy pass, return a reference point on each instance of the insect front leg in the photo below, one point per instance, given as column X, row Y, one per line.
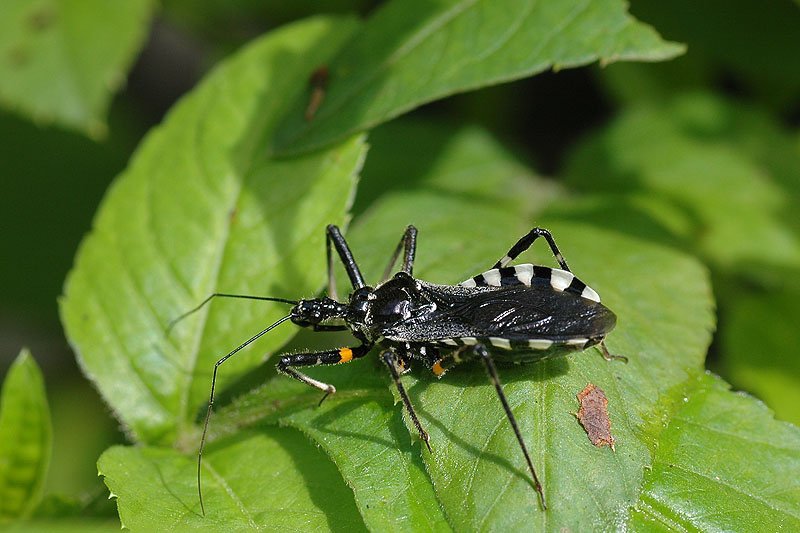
column 396, row 367
column 526, row 242
column 336, row 239
column 288, row 363
column 408, row 244
column 481, row 351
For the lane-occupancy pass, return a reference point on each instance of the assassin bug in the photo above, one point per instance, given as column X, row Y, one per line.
column 516, row 314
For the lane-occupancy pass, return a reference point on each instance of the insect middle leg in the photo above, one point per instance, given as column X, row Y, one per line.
column 335, row 238
column 408, row 244
column 526, row 242
column 396, row 366
column 288, row 363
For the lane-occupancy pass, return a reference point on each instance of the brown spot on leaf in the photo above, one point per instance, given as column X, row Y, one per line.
column 42, row 18
column 18, row 56
column 318, row 83
column 593, row 416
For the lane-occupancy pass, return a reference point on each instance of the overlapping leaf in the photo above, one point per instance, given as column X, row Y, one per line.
column 758, row 345
column 25, row 439
column 722, row 464
column 202, row 209
column 273, row 478
column 412, row 52
column 698, row 155
column 62, row 60
column 478, row 471
column 721, row 177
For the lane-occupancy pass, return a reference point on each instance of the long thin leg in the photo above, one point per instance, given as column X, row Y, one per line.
column 483, row 353
column 408, row 243
column 525, row 242
column 211, row 400
column 390, row 359
column 336, row 238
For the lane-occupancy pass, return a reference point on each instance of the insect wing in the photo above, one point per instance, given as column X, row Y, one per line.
column 515, row 312
column 527, row 312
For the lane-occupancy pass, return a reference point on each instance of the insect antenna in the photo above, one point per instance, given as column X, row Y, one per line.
column 175, row 321
column 211, row 398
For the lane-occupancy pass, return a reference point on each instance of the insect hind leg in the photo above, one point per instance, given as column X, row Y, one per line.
column 608, row 356
column 481, row 351
column 526, row 242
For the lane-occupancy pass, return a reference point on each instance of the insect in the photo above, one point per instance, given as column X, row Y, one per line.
column 520, row 313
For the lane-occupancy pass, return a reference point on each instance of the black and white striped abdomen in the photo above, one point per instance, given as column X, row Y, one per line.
column 527, row 274
column 523, row 350
column 578, row 343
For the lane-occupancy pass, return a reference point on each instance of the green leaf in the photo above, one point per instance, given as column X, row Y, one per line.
column 412, row 52
column 758, row 344
column 360, row 428
column 62, row 60
column 271, row 478
column 365, row 436
column 478, row 474
column 201, row 209
column 25, row 438
column 466, row 162
column 722, row 464
column 724, row 176
column 683, row 152
column 477, row 469
column 68, row 525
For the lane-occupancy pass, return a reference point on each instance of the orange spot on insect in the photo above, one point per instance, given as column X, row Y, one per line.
column 346, row 355
column 437, row 369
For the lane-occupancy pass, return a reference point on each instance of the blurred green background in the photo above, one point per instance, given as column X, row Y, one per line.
column 729, row 109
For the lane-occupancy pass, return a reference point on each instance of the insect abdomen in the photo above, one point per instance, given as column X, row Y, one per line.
column 528, row 274
column 523, row 350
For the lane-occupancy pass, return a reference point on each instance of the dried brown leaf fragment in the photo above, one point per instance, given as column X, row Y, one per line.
column 593, row 416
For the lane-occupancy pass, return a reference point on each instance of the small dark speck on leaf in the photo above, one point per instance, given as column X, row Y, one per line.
column 318, row 83
column 42, row 18
column 18, row 56
column 593, row 416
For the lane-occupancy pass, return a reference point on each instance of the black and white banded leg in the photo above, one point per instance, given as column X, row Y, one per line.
column 408, row 245
column 397, row 367
column 288, row 363
column 526, row 242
